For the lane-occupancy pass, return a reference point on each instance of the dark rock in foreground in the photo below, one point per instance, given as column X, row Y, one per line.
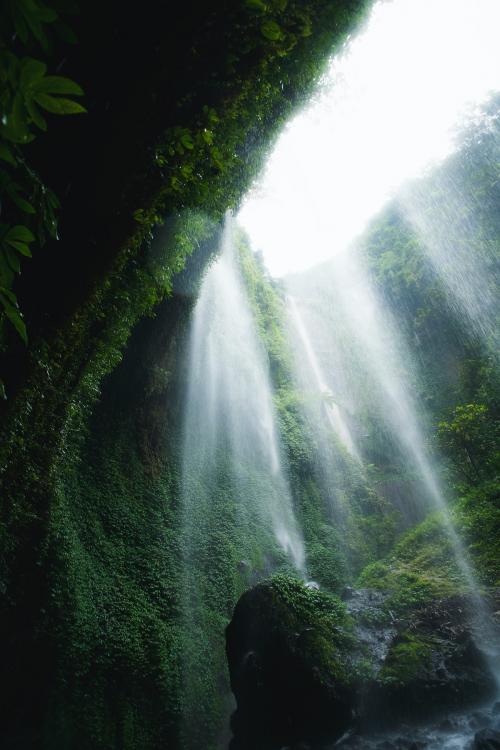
column 433, row 664
column 287, row 649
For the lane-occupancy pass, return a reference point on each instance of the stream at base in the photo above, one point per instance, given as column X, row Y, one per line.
column 476, row 729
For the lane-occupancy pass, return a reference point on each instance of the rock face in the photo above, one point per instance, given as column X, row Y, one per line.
column 287, row 649
column 432, row 664
column 305, row 668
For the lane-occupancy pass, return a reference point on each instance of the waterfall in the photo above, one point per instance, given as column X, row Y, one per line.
column 331, row 408
column 382, row 367
column 237, row 518
column 230, row 422
column 459, row 241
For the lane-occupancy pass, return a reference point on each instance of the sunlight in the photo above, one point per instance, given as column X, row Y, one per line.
column 386, row 110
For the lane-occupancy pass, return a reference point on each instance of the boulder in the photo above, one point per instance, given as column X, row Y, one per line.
column 433, row 664
column 288, row 653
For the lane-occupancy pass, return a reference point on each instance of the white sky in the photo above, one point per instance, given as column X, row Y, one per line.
column 385, row 111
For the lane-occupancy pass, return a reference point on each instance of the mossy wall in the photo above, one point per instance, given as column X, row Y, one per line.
column 88, row 521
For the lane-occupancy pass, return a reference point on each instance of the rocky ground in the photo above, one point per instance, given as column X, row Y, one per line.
column 308, row 671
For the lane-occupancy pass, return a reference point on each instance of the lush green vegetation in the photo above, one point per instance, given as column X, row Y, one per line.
column 27, row 28
column 345, row 523
column 459, row 383
column 114, row 603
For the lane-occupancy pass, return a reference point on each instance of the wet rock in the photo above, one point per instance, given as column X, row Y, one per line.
column 299, row 677
column 373, row 626
column 486, row 739
column 287, row 649
column 431, row 665
column 347, row 593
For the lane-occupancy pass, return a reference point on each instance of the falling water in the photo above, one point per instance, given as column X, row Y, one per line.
column 332, row 410
column 387, row 366
column 237, row 517
column 230, row 420
column 448, row 221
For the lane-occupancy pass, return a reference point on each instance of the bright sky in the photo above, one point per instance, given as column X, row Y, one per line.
column 385, row 111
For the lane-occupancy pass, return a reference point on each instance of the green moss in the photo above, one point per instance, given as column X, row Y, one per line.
column 422, row 567
column 326, row 629
column 406, row 659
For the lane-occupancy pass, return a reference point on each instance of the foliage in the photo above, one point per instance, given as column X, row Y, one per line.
column 345, row 523
column 470, row 438
column 322, row 620
column 79, row 492
column 91, row 524
column 26, row 89
column 458, row 385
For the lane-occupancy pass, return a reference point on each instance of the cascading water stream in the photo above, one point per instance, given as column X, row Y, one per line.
column 230, row 414
column 388, row 364
column 237, row 518
column 457, row 239
column 331, row 409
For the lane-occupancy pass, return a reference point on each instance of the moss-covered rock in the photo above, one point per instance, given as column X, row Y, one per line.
column 433, row 663
column 288, row 650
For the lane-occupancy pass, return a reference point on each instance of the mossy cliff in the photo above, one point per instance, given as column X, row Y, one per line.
column 180, row 115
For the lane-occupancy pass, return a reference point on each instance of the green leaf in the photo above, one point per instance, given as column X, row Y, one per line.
column 58, row 85
column 9, row 294
column 208, row 136
column 139, row 216
column 20, row 247
column 36, row 115
column 19, row 118
column 7, row 155
column 31, row 71
column 22, row 204
column 58, row 105
column 19, row 233
column 256, row 5
column 271, row 30
column 13, row 260
column 15, row 318
column 35, row 15
column 52, row 199
column 20, row 24
column 3, row 393
column 6, row 272
column 187, row 141
column 12, row 190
